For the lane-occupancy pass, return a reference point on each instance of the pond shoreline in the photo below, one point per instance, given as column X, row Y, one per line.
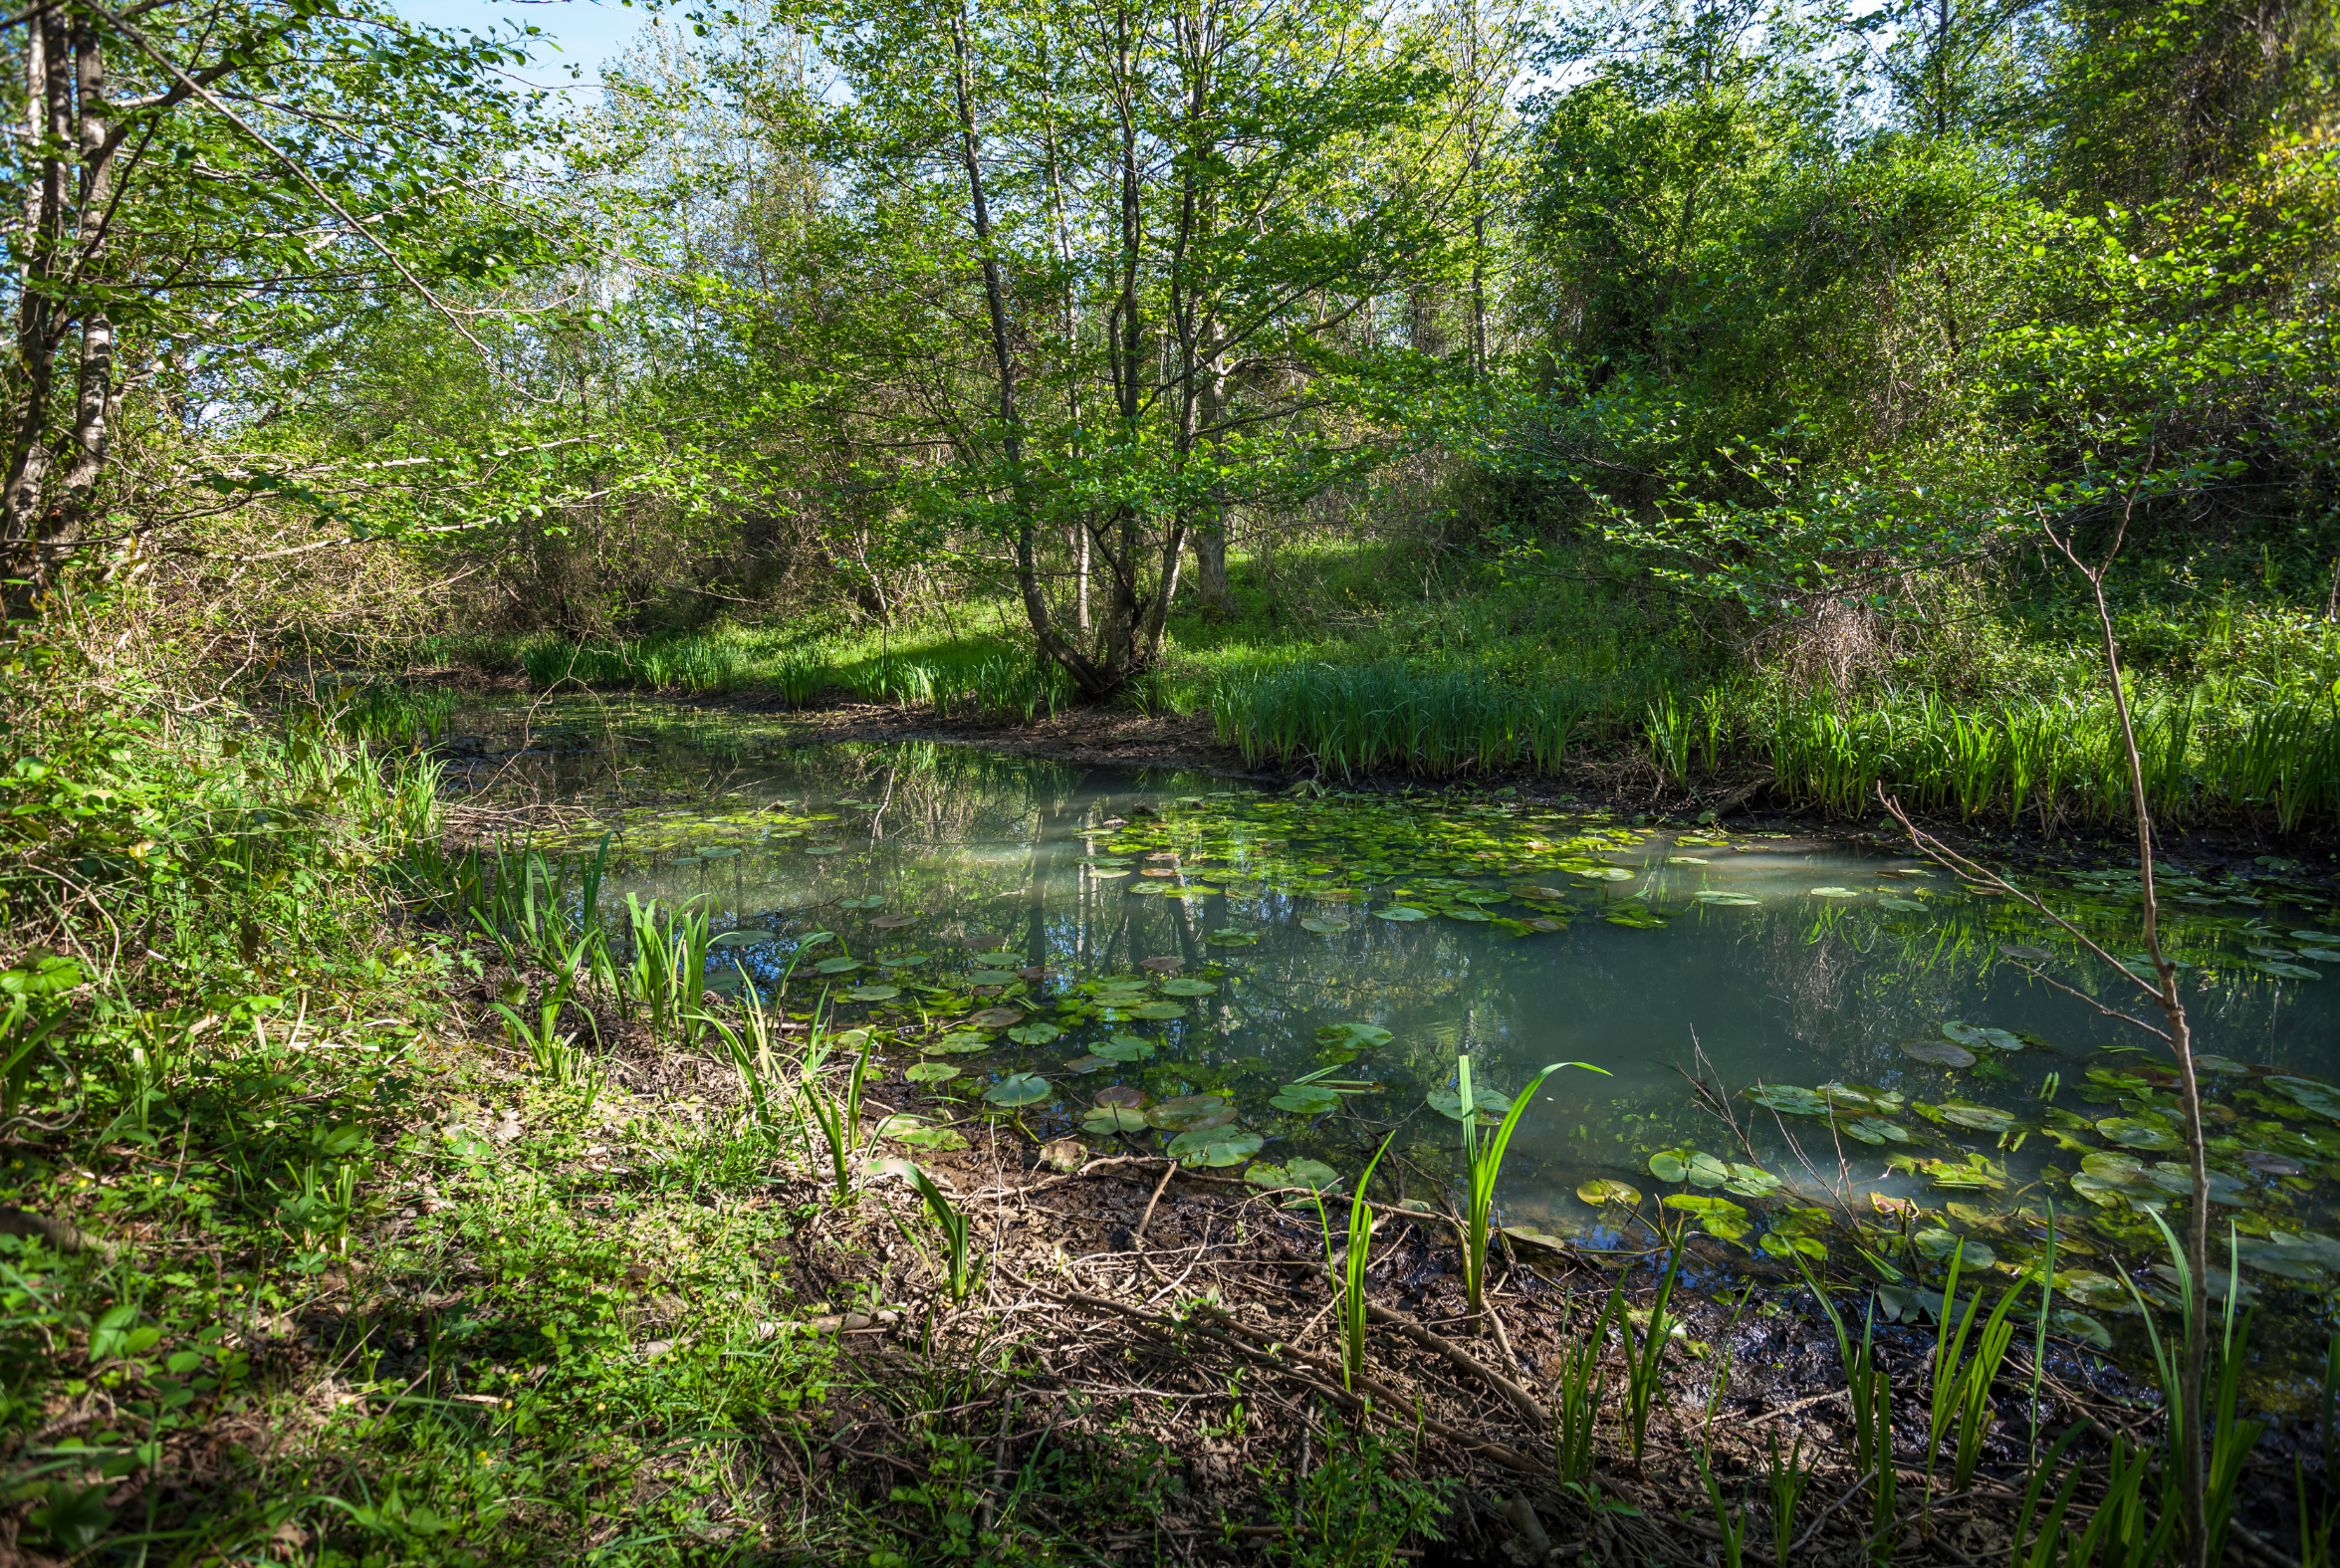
column 1114, row 738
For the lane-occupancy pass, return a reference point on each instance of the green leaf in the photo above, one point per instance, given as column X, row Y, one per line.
column 1019, row 1090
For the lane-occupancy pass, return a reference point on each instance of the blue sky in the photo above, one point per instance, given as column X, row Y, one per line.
column 588, row 31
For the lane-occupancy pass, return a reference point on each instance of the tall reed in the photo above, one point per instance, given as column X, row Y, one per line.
column 1482, row 1160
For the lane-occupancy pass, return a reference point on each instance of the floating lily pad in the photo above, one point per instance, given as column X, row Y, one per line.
column 1321, row 925
column 930, row 1072
column 1162, row 966
column 874, row 992
column 959, row 1043
column 1113, row 1119
column 1875, row 1130
column 1187, row 988
column 2323, row 1098
column 996, row 1019
column 1188, row 1111
column 1233, row 937
column 1941, row 1244
column 1787, row 1099
column 1542, row 1241
column 1686, row 860
column 990, row 976
column 1941, row 1053
column 1670, row 1165
column 2107, row 1165
column 1602, row 1190
column 838, row 966
column 1088, row 1064
column 918, row 1133
column 1215, row 1146
column 1862, row 1100
column 1306, row 1099
column 1001, row 960
column 1718, row 1216
column 824, row 849
column 1121, row 1094
column 2211, row 1064
column 866, row 901
column 1727, row 900
column 1975, row 1038
column 1901, row 905
column 1019, row 1090
column 2283, row 971
column 1605, row 874
column 1312, row 1174
column 1158, row 1010
column 1401, row 912
column 1781, row 1244
column 1352, row 1036
column 1126, row 1047
column 2131, row 1133
column 744, row 938
column 1980, row 1118
column 1489, row 1105
column 1034, row 1034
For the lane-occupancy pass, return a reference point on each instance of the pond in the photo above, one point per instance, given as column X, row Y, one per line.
column 1272, row 983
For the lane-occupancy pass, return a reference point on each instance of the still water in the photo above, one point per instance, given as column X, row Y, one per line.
column 1279, row 981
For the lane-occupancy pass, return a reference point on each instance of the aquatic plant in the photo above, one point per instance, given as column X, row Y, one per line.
column 1346, row 1269
column 1788, row 1480
column 1577, row 1397
column 1733, row 1526
column 962, row 1269
column 838, row 1118
column 1483, row 1159
column 1644, row 1364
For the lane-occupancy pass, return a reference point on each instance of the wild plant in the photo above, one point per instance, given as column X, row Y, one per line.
column 961, row 1268
column 1347, row 1270
column 1576, row 1398
column 1644, row 1364
column 838, row 1119
column 750, row 1050
column 1734, row 1531
column 670, row 968
column 1788, row 1483
column 1870, row 1393
column 1962, row 1386
column 1483, row 1159
column 2040, row 1551
column 2231, row 1440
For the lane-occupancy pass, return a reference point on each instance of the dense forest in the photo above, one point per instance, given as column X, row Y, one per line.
column 1691, row 402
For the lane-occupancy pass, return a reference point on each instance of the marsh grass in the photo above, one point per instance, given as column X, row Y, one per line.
column 1645, row 1363
column 1483, row 1162
column 1346, row 1269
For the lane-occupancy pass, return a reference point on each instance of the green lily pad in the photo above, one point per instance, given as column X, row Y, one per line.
column 1718, row 1217
column 1980, row 1118
column 1726, row 900
column 1088, row 1064
column 1306, row 1099
column 2323, row 1098
column 996, row 1019
column 1940, row 1244
column 867, row 901
column 2131, row 1133
column 1000, row 959
column 1312, row 1174
column 1780, row 1243
column 2283, row 971
column 1187, row 988
column 1836, row 892
column 2108, row 1165
column 1321, row 925
column 1215, row 1146
column 1603, row 1190
column 838, row 966
column 930, row 1072
column 1113, row 1119
column 1352, row 1036
column 1489, row 1105
column 874, row 992
column 1605, row 874
column 1401, row 913
column 1188, row 1111
column 1686, row 860
column 1748, row 1181
column 959, row 1043
column 1019, row 1090
column 1233, row 937
column 1670, row 1165
column 1787, row 1099
column 1126, row 1047
column 1977, row 1039
column 1939, row 1054
column 743, row 937
column 1874, row 1130
column 918, row 1133
column 1158, row 1010
column 1900, row 905
column 990, row 976
column 1861, row 1100
column 2208, row 1062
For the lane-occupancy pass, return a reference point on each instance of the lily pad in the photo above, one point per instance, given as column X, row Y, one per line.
column 1233, row 937
column 1875, row 1130
column 1188, row 1110
column 1401, row 912
column 1352, row 1036
column 1836, row 892
column 930, row 1072
column 1306, row 1099
column 1126, row 1047
column 1312, row 1174
column 838, row 966
column 1605, row 874
column 1718, row 1216
column 1980, row 1118
column 1088, row 1064
column 1781, row 1244
column 867, row 901
column 1000, row 959
column 2131, row 1133
column 1162, row 966
column 2323, row 1098
column 1940, row 1053
column 1787, row 1099
column 1215, row 1146
column 1670, row 1165
column 1158, row 1010
column 743, row 937
column 1860, row 1099
column 1113, row 1119
column 1941, row 1246
column 1975, row 1038
column 1187, row 988
column 2208, row 1062
column 1034, row 1034
column 1727, row 900
column 874, row 992
column 2107, row 1165
column 996, row 1019
column 918, row 1133
column 959, row 1043
column 1901, row 906
column 2283, row 971
column 1323, row 925
column 1602, row 1190
column 990, row 976
column 1489, row 1105
column 1019, row 1090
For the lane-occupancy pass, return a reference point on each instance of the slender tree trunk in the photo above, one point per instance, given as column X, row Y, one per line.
column 49, row 122
column 95, row 376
